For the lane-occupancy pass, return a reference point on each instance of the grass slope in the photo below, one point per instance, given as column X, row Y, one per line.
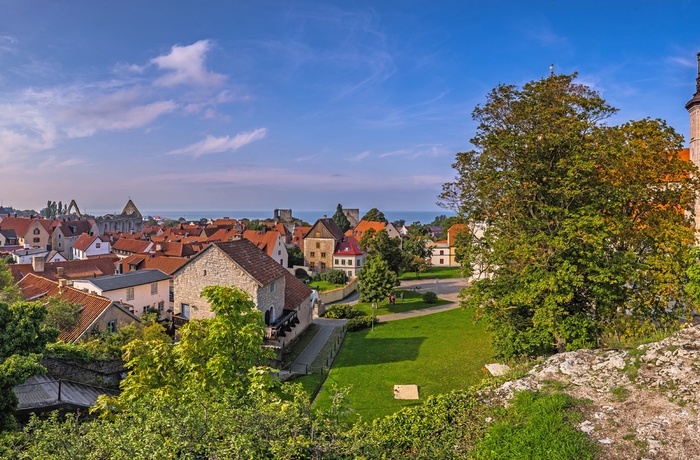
column 440, row 352
column 412, row 301
column 434, row 272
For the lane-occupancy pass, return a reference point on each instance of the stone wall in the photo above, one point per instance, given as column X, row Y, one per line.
column 106, row 374
column 216, row 268
column 338, row 294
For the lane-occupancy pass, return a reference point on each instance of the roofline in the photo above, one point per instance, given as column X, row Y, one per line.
column 116, row 304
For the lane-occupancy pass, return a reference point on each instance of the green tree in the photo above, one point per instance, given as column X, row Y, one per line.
column 296, row 256
column 587, row 226
column 376, row 280
column 366, row 239
column 341, row 219
column 62, row 314
column 415, row 253
column 24, row 335
column 374, row 215
column 388, row 248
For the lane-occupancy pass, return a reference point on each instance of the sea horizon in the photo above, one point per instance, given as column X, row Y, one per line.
column 424, row 217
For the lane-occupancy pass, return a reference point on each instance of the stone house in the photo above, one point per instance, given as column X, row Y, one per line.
column 319, row 244
column 284, row 301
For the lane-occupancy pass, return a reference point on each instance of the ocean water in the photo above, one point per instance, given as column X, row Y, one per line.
column 424, row 217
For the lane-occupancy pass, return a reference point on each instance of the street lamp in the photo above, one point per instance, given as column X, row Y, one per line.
column 374, row 307
column 436, row 286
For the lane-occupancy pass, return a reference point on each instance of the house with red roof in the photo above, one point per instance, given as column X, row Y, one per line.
column 365, row 225
column 96, row 314
column 124, row 247
column 284, row 301
column 88, row 245
column 271, row 242
column 67, row 271
column 348, row 256
column 66, row 232
column 30, row 232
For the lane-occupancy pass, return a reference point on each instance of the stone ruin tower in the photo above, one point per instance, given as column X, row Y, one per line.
column 693, row 108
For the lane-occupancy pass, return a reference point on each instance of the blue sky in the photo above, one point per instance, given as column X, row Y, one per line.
column 261, row 105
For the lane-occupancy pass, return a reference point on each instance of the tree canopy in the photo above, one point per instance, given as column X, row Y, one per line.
column 374, row 215
column 341, row 219
column 376, row 279
column 587, row 227
column 382, row 244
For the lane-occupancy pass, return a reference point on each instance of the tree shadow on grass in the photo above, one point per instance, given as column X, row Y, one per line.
column 382, row 351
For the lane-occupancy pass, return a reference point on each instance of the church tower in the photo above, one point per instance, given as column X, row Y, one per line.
column 693, row 108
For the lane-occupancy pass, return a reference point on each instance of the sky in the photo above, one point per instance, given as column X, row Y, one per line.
column 254, row 105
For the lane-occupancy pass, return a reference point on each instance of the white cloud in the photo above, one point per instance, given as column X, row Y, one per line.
column 211, row 144
column 359, row 157
column 422, row 150
column 185, row 66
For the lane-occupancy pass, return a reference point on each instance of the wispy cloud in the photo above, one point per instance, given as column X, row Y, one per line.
column 211, row 144
column 185, row 66
column 359, row 157
column 682, row 61
column 422, row 150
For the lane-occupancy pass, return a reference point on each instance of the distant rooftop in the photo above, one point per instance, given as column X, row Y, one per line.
column 129, row 279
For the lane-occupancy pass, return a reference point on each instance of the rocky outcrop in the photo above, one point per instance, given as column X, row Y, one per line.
column 644, row 402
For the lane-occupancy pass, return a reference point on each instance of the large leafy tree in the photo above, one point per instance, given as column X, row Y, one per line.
column 385, row 246
column 587, row 227
column 24, row 334
column 374, row 215
column 341, row 219
column 376, row 280
column 415, row 253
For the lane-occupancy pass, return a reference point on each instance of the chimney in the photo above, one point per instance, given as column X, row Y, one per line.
column 38, row 264
column 59, row 272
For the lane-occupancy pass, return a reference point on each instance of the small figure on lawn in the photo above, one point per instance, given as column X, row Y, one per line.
column 401, row 296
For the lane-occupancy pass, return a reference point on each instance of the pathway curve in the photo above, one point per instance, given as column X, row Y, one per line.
column 447, row 289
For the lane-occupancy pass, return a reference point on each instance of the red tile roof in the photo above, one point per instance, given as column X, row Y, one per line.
column 35, row 287
column 84, row 241
column 295, row 291
column 165, row 264
column 348, row 247
column 72, row 269
column 19, row 224
column 129, row 245
column 266, row 241
column 365, row 225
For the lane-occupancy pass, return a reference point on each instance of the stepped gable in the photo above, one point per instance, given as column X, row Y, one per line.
column 130, row 209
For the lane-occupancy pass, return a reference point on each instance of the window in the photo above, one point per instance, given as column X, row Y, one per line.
column 205, row 273
column 130, row 293
column 36, row 231
column 59, row 244
column 442, row 252
column 337, row 262
column 312, row 254
column 272, row 287
column 154, row 288
column 59, row 236
column 312, row 265
column 97, row 245
column 318, row 235
column 185, row 310
column 343, row 261
column 442, row 261
column 161, row 306
column 279, row 252
column 323, row 265
column 37, row 240
column 111, row 326
column 323, row 255
column 318, row 245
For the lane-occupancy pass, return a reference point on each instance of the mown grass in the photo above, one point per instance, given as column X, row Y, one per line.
column 434, row 272
column 323, row 286
column 412, row 301
column 439, row 353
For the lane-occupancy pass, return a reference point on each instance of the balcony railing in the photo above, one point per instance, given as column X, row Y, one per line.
column 285, row 324
column 179, row 321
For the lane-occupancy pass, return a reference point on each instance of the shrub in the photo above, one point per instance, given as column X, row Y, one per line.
column 342, row 311
column 70, row 351
column 359, row 323
column 334, row 276
column 430, row 297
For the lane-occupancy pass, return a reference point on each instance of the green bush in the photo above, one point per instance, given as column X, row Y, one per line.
column 70, row 351
column 334, row 276
column 342, row 311
column 359, row 323
column 430, row 297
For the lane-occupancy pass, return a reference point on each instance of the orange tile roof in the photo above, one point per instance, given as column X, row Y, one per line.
column 265, row 241
column 165, row 264
column 365, row 225
column 84, row 241
column 36, row 287
column 72, row 269
column 19, row 224
column 133, row 246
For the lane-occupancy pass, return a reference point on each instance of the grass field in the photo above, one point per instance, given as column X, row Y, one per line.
column 412, row 301
column 434, row 272
column 323, row 286
column 439, row 352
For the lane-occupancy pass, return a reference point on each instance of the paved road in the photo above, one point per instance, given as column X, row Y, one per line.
column 446, row 289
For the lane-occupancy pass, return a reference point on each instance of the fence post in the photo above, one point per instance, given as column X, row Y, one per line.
column 59, row 390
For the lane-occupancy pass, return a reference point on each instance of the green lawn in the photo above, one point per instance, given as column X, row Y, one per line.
column 323, row 286
column 412, row 301
column 434, row 272
column 439, row 352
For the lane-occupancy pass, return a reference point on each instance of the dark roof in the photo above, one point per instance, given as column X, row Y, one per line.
column 295, row 291
column 331, row 226
column 129, row 279
column 252, row 260
column 9, row 233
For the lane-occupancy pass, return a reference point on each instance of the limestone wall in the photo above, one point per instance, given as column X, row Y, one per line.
column 338, row 294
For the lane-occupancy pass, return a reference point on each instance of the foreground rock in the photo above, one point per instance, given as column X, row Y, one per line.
column 645, row 403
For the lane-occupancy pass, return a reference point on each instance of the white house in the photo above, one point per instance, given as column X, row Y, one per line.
column 140, row 290
column 90, row 245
